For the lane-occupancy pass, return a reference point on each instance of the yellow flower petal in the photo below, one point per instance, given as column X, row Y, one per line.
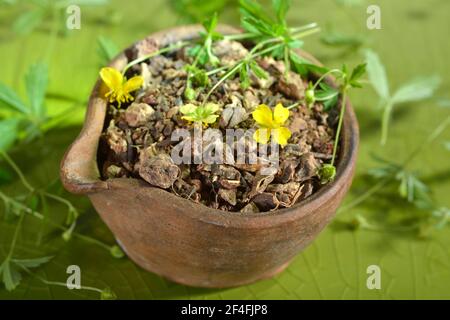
column 262, row 135
column 133, row 84
column 112, row 78
column 188, row 108
column 281, row 135
column 263, row 116
column 280, row 114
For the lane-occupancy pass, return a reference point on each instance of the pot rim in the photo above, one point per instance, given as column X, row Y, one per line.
column 80, row 174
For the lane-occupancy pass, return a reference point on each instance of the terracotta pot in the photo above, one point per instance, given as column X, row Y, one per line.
column 187, row 242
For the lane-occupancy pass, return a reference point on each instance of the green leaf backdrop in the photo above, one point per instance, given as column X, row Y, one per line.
column 413, row 41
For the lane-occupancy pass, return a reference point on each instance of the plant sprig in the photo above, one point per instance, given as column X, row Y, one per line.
column 267, row 29
column 413, row 91
column 328, row 94
column 409, row 187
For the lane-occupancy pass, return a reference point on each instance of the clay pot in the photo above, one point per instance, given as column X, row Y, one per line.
column 187, row 242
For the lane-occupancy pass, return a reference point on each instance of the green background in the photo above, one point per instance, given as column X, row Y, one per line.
column 413, row 41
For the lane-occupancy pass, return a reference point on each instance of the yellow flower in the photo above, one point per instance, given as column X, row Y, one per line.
column 270, row 124
column 119, row 86
column 203, row 114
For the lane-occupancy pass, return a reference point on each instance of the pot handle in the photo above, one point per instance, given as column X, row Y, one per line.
column 79, row 170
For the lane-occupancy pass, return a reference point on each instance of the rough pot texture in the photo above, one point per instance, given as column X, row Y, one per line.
column 187, row 242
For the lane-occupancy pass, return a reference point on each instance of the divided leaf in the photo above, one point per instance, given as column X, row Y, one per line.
column 11, row 276
column 357, row 73
column 28, row 21
column 107, row 49
column 418, row 89
column 9, row 99
column 252, row 9
column 281, row 8
column 36, row 83
column 9, row 129
column 377, row 74
column 412, row 189
column 32, row 263
column 337, row 39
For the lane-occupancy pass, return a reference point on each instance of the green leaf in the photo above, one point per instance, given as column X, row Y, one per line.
column 11, row 276
column 330, row 103
column 326, row 93
column 337, row 39
column 36, row 82
column 197, row 10
column 210, row 24
column 9, row 99
column 9, row 130
column 258, row 26
column 418, row 89
column 107, row 49
column 31, row 263
column 357, row 73
column 411, row 188
column 281, row 8
column 377, row 74
column 244, row 77
column 252, row 9
column 443, row 217
column 28, row 21
column 304, row 67
column 257, row 70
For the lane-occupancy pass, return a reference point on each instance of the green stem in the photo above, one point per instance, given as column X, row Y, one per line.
column 427, row 141
column 17, row 170
column 218, row 83
column 377, row 187
column 177, row 45
column 325, row 75
column 312, row 25
column 60, row 199
column 240, row 36
column 15, row 237
column 40, row 216
column 294, row 105
column 339, row 128
column 57, row 283
column 385, row 122
column 432, row 137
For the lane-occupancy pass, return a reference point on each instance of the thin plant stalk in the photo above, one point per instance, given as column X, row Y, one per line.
column 377, row 187
column 339, row 128
column 177, row 45
column 385, row 122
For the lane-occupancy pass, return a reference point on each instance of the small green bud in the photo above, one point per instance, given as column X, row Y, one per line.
column 108, row 294
column 327, row 173
column 67, row 235
column 116, row 252
column 190, row 93
column 310, row 97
